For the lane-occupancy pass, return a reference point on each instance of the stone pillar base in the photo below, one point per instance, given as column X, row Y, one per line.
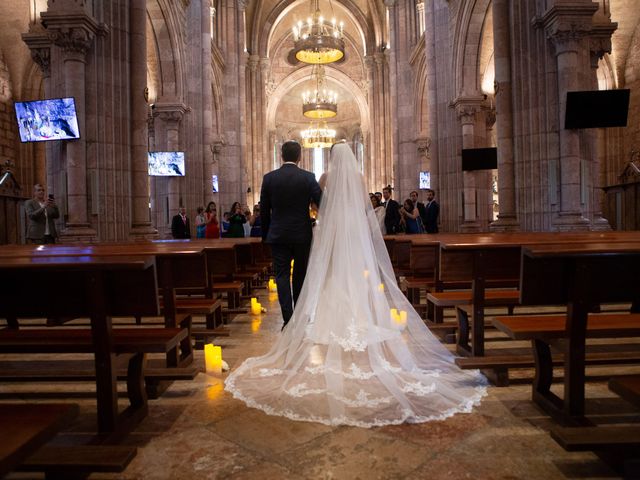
column 143, row 232
column 571, row 222
column 505, row 223
column 470, row 226
column 600, row 224
column 78, row 233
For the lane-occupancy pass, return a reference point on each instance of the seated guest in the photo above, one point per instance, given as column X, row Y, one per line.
column 180, row 227
column 42, row 213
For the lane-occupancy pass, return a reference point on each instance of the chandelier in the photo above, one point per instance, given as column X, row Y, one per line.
column 317, row 136
column 319, row 103
column 316, row 42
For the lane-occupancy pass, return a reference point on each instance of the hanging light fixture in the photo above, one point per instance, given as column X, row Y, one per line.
column 319, row 103
column 318, row 136
column 318, row 42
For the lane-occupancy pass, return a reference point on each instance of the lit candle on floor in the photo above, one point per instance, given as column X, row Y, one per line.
column 381, row 287
column 272, row 285
column 213, row 358
column 366, row 274
column 256, row 308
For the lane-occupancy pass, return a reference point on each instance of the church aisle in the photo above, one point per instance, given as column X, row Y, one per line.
column 197, row 430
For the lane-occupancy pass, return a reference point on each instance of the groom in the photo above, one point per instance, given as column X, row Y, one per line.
column 286, row 225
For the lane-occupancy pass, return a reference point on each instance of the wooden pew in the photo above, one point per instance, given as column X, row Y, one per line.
column 582, row 276
column 98, row 288
column 26, row 427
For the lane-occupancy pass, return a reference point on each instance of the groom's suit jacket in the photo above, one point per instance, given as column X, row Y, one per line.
column 284, row 204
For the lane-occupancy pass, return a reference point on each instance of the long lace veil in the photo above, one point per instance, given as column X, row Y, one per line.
column 355, row 351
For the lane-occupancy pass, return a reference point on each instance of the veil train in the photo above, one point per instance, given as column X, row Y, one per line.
column 355, row 351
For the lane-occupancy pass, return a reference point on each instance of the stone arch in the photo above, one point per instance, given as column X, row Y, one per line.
column 167, row 37
column 468, row 42
column 262, row 39
column 302, row 75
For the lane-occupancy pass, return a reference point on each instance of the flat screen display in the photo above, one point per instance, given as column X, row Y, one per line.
column 166, row 164
column 479, row 159
column 597, row 109
column 214, row 184
column 47, row 120
column 425, row 180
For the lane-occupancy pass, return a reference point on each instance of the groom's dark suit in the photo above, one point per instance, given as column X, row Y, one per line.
column 286, row 225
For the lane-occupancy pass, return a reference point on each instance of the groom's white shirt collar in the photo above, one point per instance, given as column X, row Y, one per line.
column 290, row 163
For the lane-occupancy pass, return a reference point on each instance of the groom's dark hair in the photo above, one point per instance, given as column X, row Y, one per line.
column 291, row 151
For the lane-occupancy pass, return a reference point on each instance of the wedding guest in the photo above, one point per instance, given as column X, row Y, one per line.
column 201, row 223
column 180, row 228
column 256, row 225
column 392, row 214
column 249, row 217
column 236, row 221
column 410, row 217
column 42, row 213
column 433, row 210
column 422, row 209
column 211, row 218
column 380, row 213
column 225, row 225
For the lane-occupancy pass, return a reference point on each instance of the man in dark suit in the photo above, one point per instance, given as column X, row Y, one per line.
column 286, row 225
column 392, row 212
column 180, row 225
column 433, row 210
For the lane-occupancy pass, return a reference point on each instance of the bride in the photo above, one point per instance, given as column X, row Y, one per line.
column 355, row 351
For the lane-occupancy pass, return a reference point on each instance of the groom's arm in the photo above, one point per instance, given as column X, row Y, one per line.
column 316, row 191
column 265, row 208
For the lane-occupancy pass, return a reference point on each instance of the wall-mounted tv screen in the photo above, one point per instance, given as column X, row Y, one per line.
column 425, row 180
column 214, row 184
column 597, row 109
column 479, row 159
column 46, row 120
column 166, row 164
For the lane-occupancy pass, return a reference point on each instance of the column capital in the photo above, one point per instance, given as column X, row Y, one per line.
column 566, row 23
column 252, row 62
column 170, row 112
column 423, row 144
column 466, row 107
column 390, row 3
column 243, row 4
column 40, row 46
column 72, row 31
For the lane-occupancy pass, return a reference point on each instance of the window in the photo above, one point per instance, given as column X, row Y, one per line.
column 318, row 162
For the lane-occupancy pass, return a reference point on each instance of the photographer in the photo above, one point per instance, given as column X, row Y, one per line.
column 42, row 214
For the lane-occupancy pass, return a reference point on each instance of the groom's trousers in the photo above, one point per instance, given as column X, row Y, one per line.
column 282, row 254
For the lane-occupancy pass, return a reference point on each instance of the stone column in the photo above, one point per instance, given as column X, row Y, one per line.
column 72, row 29
column 507, row 217
column 207, row 98
column 140, row 214
column 375, row 180
column 171, row 115
column 39, row 44
column 600, row 43
column 567, row 26
column 466, row 110
column 432, row 93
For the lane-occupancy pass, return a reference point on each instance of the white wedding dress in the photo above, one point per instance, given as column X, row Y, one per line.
column 344, row 359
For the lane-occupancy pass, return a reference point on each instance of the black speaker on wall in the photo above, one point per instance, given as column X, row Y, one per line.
column 479, row 159
column 597, row 109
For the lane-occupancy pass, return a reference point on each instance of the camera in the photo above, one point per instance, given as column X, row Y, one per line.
column 51, row 196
